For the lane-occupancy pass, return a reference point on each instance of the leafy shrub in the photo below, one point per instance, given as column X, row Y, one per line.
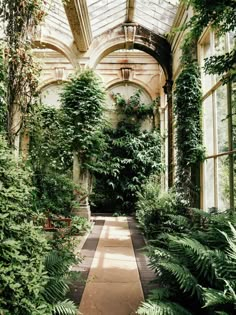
column 54, row 193
column 155, row 207
column 79, row 225
column 22, row 247
column 50, row 139
column 51, row 159
column 130, row 158
column 82, row 100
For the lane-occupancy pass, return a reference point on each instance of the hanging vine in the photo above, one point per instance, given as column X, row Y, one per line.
column 19, row 18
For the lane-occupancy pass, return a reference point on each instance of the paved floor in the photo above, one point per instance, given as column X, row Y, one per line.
column 114, row 267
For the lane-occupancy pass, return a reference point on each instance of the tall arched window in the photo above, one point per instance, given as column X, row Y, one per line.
column 219, row 123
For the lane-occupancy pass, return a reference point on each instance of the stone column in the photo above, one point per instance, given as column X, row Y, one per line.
column 168, row 91
column 81, row 178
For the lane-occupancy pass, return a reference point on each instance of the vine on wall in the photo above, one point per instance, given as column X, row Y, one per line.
column 19, row 18
column 187, row 108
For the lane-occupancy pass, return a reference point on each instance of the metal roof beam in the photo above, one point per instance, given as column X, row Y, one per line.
column 130, row 11
column 78, row 17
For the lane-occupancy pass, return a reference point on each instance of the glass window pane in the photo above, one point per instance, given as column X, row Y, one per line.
column 223, row 183
column 209, row 190
column 220, row 49
column 208, row 125
column 222, row 118
column 232, row 36
column 206, row 52
column 219, row 45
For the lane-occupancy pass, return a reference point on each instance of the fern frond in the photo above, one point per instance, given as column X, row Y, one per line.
column 56, row 265
column 201, row 256
column 66, row 307
column 186, row 281
column 231, row 242
column 162, row 308
column 214, row 297
column 55, row 290
column 159, row 294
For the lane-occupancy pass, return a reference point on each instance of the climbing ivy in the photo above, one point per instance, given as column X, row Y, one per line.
column 221, row 16
column 134, row 109
column 3, row 108
column 19, row 19
column 187, row 109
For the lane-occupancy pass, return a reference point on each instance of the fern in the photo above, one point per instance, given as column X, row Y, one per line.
column 186, row 281
column 55, row 290
column 162, row 308
column 201, row 256
column 58, row 269
column 159, row 294
column 66, row 307
column 214, row 297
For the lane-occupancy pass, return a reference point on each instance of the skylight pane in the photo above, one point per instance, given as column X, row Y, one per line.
column 105, row 14
column 157, row 15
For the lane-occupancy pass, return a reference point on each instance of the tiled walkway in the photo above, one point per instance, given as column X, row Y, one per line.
column 113, row 271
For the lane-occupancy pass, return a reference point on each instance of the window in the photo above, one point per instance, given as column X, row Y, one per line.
column 219, row 127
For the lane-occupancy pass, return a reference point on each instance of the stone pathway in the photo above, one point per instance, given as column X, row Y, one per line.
column 113, row 268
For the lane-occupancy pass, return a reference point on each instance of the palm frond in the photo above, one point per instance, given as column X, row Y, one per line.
column 162, row 308
column 66, row 307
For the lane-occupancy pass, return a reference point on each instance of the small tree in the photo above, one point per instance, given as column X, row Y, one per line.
column 82, row 100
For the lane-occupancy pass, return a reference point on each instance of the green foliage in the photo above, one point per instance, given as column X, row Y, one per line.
column 79, row 225
column 22, row 246
column 54, row 193
column 133, row 108
column 51, row 139
column 57, row 266
column 195, row 266
column 187, row 108
column 19, row 19
column 82, row 99
column 65, row 307
column 51, row 159
column 220, row 15
column 3, row 107
column 222, row 65
column 161, row 308
column 130, row 158
column 154, row 206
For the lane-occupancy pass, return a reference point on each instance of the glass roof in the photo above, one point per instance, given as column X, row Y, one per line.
column 155, row 15
column 106, row 14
